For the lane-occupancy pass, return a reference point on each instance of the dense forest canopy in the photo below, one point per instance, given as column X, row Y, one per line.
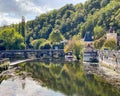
column 95, row 16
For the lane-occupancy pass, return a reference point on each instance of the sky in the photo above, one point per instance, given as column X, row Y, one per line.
column 11, row 11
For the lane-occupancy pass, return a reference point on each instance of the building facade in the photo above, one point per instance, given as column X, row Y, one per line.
column 111, row 35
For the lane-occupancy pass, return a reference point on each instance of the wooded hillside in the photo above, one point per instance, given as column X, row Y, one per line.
column 95, row 16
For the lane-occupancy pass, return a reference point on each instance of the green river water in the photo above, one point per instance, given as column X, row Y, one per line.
column 54, row 79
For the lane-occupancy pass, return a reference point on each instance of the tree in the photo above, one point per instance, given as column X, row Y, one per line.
column 23, row 27
column 11, row 39
column 56, row 36
column 76, row 46
column 98, row 32
column 104, row 3
column 98, row 44
column 111, row 44
column 94, row 16
column 45, row 45
column 36, row 43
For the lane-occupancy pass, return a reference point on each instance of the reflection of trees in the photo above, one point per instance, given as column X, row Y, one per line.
column 23, row 82
column 69, row 79
column 1, row 79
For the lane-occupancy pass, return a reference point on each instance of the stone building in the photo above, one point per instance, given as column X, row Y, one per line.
column 112, row 35
column 88, row 37
column 88, row 40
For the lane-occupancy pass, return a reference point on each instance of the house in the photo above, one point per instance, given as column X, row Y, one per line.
column 88, row 37
column 112, row 35
column 89, row 55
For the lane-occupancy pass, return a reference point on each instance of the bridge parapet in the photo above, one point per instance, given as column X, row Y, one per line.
column 26, row 53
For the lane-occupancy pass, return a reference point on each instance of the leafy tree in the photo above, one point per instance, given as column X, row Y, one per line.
column 11, row 39
column 111, row 44
column 104, row 3
column 23, row 29
column 45, row 45
column 95, row 16
column 56, row 36
column 98, row 32
column 36, row 43
column 98, row 44
column 76, row 46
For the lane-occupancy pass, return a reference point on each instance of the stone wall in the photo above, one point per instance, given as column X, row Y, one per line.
column 110, row 59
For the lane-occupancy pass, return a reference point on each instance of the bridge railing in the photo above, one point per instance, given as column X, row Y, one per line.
column 31, row 50
column 27, row 53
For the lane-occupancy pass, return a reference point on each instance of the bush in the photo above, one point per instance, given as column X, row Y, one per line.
column 110, row 44
column 75, row 46
column 36, row 43
column 98, row 44
column 56, row 36
column 45, row 45
column 11, row 39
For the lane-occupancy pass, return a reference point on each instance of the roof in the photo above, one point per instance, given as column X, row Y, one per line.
column 88, row 36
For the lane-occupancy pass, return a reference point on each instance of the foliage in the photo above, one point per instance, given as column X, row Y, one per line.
column 45, row 45
column 36, row 43
column 95, row 16
column 22, row 31
column 11, row 39
column 104, row 2
column 98, row 32
column 69, row 79
column 111, row 44
column 103, row 17
column 70, row 46
column 98, row 44
column 77, row 49
column 76, row 46
column 56, row 36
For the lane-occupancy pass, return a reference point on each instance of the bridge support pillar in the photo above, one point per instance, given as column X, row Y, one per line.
column 25, row 55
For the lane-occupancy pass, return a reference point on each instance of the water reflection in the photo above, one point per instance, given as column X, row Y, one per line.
column 57, row 79
column 69, row 78
column 31, row 88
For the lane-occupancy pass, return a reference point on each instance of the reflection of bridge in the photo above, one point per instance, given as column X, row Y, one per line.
column 29, row 53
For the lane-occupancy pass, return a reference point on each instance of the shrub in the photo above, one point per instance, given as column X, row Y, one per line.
column 45, row 45
column 75, row 46
column 110, row 44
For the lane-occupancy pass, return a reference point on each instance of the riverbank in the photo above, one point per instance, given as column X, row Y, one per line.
column 111, row 76
column 20, row 61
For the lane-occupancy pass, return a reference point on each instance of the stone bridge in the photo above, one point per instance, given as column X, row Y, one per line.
column 31, row 53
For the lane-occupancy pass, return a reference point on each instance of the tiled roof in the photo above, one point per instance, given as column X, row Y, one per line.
column 88, row 36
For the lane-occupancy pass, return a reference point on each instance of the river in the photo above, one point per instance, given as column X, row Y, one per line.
column 53, row 79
